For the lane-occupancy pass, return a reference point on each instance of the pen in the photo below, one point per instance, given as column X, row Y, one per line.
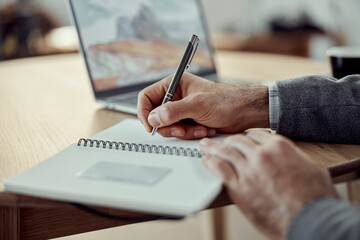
column 183, row 65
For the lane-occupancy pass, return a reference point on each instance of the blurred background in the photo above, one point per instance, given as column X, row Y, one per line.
column 298, row 27
column 303, row 28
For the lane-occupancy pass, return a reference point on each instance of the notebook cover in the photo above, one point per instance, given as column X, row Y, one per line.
column 184, row 188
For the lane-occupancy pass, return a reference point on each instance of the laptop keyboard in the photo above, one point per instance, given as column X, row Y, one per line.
column 131, row 100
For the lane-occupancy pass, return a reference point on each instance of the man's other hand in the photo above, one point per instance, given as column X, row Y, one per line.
column 268, row 177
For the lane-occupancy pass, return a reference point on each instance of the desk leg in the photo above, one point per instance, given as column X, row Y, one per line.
column 354, row 192
column 218, row 220
column 9, row 223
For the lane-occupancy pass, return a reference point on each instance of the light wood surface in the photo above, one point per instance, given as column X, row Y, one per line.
column 46, row 104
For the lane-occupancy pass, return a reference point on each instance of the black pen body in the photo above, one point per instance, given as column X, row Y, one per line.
column 179, row 72
column 183, row 65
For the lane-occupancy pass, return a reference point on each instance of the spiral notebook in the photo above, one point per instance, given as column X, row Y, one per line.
column 124, row 167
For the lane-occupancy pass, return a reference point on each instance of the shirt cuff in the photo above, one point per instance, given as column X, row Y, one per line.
column 274, row 106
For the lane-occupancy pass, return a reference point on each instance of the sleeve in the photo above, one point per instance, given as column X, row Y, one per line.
column 320, row 108
column 326, row 219
column 274, row 106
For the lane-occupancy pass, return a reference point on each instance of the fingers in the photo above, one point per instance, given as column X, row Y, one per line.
column 273, row 142
column 186, row 104
column 220, row 168
column 149, row 98
column 223, row 151
column 186, row 132
column 264, row 137
column 242, row 143
column 260, row 136
column 172, row 112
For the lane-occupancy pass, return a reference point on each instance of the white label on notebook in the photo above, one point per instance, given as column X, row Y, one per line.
column 124, row 172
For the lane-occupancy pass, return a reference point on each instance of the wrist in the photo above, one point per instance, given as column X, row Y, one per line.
column 257, row 113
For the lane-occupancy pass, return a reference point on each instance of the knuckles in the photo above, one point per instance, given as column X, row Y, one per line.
column 265, row 153
column 141, row 95
column 279, row 143
column 263, row 156
column 238, row 138
column 227, row 150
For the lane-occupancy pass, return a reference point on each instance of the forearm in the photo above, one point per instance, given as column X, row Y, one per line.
column 327, row 218
column 320, row 108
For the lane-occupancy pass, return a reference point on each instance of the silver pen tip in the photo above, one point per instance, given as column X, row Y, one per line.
column 153, row 132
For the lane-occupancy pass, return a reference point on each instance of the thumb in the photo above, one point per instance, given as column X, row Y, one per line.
column 172, row 112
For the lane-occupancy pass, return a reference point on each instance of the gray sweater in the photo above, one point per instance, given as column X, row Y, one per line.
column 326, row 219
column 321, row 108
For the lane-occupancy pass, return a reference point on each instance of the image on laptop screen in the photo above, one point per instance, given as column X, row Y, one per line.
column 129, row 42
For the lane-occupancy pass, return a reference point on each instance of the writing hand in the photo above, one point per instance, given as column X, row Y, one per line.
column 215, row 107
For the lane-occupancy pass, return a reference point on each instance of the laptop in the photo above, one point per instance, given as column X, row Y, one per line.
column 128, row 45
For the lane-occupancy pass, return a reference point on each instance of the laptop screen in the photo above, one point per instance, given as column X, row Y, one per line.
column 132, row 42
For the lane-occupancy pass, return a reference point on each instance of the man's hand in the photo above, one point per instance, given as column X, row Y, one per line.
column 213, row 106
column 268, row 177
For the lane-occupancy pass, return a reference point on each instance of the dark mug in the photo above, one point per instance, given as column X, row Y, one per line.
column 344, row 61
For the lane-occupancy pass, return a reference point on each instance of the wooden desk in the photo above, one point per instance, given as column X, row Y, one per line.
column 46, row 104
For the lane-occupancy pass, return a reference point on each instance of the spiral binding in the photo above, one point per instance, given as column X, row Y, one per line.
column 139, row 147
